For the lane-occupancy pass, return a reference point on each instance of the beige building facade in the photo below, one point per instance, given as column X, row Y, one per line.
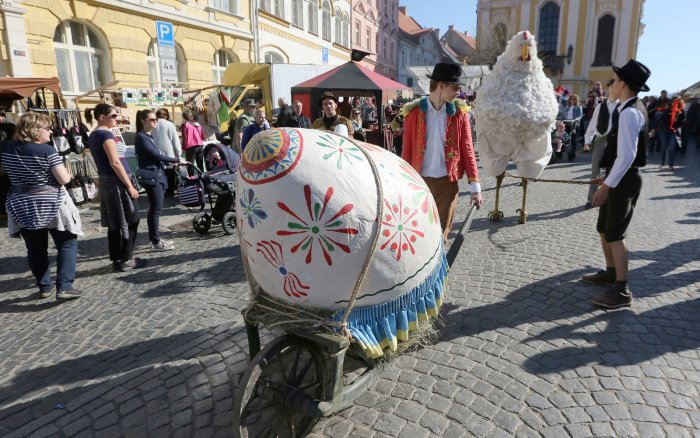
column 88, row 44
column 578, row 40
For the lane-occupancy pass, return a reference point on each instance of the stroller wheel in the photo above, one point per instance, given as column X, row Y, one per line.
column 228, row 222
column 201, row 223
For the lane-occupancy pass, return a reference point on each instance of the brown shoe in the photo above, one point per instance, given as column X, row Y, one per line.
column 600, row 277
column 613, row 300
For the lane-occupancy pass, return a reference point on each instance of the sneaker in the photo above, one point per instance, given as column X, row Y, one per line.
column 163, row 245
column 134, row 263
column 45, row 294
column 613, row 300
column 600, row 277
column 70, row 294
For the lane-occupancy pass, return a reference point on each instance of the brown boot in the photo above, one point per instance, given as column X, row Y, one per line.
column 600, row 277
column 613, row 300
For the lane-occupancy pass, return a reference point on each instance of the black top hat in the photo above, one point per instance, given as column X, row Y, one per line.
column 328, row 95
column 447, row 72
column 634, row 73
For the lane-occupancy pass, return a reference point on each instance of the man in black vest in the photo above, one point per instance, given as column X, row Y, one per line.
column 624, row 154
column 596, row 135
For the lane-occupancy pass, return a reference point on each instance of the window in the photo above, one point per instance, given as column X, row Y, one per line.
column 338, row 27
column 222, row 58
column 384, row 52
column 313, row 17
column 393, row 52
column 368, row 41
column 410, row 59
column 409, row 81
column 298, row 13
column 225, row 5
column 273, row 58
column 154, row 64
column 326, row 17
column 80, row 58
column 266, row 5
column 279, row 8
column 357, row 33
column 403, row 57
column 346, row 30
column 548, row 29
column 604, row 41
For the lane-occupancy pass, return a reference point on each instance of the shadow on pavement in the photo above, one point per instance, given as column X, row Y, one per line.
column 173, row 373
column 627, row 339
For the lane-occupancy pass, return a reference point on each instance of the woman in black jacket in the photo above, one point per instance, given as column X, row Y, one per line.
column 151, row 175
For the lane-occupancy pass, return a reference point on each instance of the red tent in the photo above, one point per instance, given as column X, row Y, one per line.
column 349, row 79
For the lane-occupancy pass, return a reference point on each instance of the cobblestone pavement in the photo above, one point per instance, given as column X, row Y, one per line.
column 159, row 352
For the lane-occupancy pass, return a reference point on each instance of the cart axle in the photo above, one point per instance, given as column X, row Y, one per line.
column 291, row 399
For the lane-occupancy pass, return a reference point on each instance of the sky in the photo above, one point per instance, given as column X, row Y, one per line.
column 667, row 46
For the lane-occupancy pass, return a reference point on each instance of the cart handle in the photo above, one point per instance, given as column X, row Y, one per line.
column 459, row 240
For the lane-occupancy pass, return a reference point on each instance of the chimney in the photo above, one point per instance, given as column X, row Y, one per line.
column 466, row 32
column 450, row 28
column 437, row 32
column 403, row 10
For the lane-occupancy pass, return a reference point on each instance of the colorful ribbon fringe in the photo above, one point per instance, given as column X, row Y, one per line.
column 382, row 326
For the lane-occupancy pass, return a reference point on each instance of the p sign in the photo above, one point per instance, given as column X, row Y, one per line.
column 164, row 31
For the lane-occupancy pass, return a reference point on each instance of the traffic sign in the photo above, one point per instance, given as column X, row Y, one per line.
column 324, row 55
column 166, row 52
column 168, row 69
column 165, row 34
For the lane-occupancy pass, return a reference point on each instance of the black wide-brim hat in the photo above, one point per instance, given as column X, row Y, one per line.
column 327, row 95
column 448, row 72
column 634, row 73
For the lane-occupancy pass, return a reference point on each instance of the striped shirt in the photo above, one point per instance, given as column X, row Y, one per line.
column 35, row 195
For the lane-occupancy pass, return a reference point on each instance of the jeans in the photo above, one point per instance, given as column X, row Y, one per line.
column 37, row 242
column 120, row 249
column 669, row 146
column 172, row 176
column 195, row 155
column 155, row 195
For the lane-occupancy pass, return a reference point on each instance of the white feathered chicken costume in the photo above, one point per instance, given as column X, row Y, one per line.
column 515, row 110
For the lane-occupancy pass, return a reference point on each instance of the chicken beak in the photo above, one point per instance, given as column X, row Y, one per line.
column 525, row 52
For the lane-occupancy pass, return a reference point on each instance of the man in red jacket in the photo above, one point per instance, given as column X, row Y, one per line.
column 437, row 142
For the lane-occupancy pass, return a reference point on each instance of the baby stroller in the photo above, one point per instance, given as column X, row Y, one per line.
column 568, row 141
column 219, row 182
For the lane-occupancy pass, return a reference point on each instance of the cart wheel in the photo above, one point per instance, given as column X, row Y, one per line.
column 274, row 397
column 201, row 223
column 229, row 222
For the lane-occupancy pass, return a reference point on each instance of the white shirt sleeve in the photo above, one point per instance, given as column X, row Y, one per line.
column 592, row 125
column 631, row 122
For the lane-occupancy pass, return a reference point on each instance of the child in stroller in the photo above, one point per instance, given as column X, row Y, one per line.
column 564, row 138
column 218, row 181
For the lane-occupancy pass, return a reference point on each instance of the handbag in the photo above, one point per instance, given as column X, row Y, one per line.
column 147, row 178
column 75, row 191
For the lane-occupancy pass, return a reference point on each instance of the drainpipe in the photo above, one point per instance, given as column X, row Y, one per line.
column 254, row 22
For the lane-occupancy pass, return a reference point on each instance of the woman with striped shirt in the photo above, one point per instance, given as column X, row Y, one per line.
column 118, row 195
column 38, row 205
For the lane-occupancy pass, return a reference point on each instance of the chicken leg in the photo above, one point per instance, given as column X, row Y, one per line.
column 523, row 213
column 496, row 215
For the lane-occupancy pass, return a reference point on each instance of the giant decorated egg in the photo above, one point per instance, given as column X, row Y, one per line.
column 311, row 206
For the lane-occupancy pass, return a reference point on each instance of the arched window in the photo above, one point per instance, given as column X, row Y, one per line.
column 346, row 30
column 548, row 30
column 80, row 57
column 273, row 58
column 338, row 27
column 313, row 17
column 266, row 5
column 279, row 8
column 298, row 13
column 326, row 20
column 604, row 41
column 153, row 60
column 222, row 58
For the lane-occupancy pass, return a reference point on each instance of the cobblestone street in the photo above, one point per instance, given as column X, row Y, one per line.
column 159, row 351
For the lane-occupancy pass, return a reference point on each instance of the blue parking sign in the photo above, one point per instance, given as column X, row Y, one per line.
column 165, row 34
column 324, row 55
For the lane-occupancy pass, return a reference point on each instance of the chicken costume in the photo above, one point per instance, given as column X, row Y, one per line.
column 515, row 111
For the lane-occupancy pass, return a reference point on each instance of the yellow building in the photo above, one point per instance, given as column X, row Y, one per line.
column 578, row 40
column 91, row 43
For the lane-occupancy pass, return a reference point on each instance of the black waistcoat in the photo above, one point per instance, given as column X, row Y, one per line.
column 603, row 118
column 610, row 152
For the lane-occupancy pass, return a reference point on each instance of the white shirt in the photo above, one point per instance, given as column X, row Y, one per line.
column 166, row 139
column 434, row 165
column 631, row 123
column 591, row 131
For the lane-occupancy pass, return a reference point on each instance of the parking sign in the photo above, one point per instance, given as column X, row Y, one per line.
column 164, row 32
column 324, row 55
